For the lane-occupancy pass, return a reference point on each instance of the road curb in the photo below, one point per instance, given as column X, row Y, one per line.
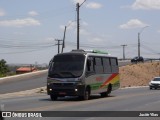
column 24, row 93
column 134, row 87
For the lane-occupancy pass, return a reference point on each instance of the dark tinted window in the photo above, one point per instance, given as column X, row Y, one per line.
column 90, row 64
column 68, row 58
column 114, row 65
column 67, row 66
column 106, row 65
column 101, row 65
column 98, row 65
column 113, row 61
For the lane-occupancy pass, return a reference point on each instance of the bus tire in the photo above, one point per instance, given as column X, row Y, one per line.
column 53, row 97
column 109, row 89
column 86, row 95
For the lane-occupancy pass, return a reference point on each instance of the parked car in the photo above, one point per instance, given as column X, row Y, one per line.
column 137, row 59
column 155, row 83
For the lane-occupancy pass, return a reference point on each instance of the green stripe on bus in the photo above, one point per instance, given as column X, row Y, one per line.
column 96, row 86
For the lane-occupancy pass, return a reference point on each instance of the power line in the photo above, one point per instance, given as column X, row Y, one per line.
column 149, row 49
column 28, row 51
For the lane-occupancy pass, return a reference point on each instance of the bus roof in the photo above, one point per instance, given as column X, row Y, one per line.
column 88, row 52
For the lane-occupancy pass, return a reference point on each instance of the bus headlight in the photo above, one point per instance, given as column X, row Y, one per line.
column 76, row 90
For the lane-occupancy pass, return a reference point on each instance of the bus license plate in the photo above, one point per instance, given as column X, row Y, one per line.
column 62, row 93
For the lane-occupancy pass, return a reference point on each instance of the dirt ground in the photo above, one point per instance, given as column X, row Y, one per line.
column 138, row 74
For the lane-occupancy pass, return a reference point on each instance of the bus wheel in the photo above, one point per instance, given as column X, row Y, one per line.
column 86, row 95
column 53, row 97
column 109, row 89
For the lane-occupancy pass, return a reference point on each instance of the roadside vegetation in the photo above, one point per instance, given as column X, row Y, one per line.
column 10, row 69
column 3, row 68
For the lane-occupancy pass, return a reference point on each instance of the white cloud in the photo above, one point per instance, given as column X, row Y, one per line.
column 93, row 5
column 20, row 22
column 133, row 23
column 50, row 39
column 146, row 4
column 97, row 39
column 33, row 13
column 84, row 32
column 2, row 12
column 84, row 23
column 18, row 33
column 70, row 25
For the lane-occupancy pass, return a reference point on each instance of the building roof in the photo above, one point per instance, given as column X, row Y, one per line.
column 26, row 69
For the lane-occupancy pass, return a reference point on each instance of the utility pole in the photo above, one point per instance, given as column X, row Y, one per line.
column 58, row 44
column 64, row 36
column 77, row 7
column 124, row 51
column 139, row 44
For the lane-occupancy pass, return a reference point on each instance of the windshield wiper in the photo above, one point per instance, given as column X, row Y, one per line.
column 70, row 73
column 55, row 75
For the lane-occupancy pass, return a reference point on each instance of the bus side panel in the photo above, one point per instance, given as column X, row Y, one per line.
column 99, row 82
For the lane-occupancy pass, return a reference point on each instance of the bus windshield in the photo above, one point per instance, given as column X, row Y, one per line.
column 66, row 66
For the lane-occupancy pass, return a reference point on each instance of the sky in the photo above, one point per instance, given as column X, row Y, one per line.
column 29, row 28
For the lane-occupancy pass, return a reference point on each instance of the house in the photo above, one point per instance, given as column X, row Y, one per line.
column 22, row 70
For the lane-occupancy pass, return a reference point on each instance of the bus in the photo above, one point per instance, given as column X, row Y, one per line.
column 82, row 73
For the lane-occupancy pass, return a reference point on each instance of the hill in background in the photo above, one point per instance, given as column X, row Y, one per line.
column 138, row 74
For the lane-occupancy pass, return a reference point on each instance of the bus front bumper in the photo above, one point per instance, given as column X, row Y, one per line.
column 65, row 89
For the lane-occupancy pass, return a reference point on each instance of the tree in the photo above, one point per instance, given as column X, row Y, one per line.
column 3, row 68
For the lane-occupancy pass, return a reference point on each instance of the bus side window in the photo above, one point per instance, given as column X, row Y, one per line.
column 51, row 63
column 107, row 65
column 114, row 65
column 98, row 65
column 89, row 66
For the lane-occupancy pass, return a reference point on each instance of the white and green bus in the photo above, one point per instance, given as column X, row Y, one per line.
column 82, row 73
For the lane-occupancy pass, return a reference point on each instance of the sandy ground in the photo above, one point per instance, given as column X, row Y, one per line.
column 138, row 74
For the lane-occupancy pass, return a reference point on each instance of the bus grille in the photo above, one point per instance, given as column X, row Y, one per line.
column 63, row 84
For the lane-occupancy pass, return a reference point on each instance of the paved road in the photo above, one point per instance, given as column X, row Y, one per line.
column 135, row 99
column 23, row 83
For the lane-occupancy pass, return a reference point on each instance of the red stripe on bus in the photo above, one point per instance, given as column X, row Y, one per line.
column 109, row 79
